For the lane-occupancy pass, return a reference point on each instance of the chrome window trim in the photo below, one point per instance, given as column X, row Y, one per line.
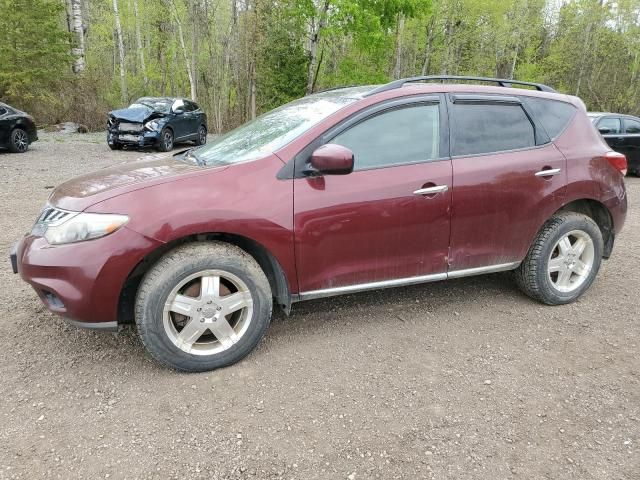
column 362, row 287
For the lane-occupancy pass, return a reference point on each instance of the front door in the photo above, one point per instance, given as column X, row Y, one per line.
column 386, row 221
column 180, row 120
column 611, row 129
column 508, row 179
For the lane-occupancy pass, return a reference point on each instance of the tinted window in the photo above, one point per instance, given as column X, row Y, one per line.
column 485, row 128
column 2, row 111
column 554, row 115
column 631, row 126
column 394, row 137
column 190, row 106
column 610, row 123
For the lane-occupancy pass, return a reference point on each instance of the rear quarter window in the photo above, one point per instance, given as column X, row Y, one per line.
column 554, row 115
column 481, row 128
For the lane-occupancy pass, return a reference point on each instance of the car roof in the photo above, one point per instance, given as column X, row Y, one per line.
column 415, row 88
column 604, row 114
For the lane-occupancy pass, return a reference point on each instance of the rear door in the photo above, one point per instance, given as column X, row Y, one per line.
column 631, row 137
column 508, row 178
column 388, row 221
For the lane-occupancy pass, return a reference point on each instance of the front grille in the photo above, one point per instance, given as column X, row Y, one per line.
column 130, row 127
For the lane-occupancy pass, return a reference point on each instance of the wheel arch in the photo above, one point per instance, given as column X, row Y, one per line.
column 600, row 214
column 267, row 261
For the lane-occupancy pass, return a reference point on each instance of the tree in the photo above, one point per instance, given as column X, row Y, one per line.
column 34, row 50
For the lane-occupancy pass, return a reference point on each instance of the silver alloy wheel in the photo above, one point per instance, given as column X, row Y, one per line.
column 213, row 321
column 203, row 135
column 20, row 140
column 168, row 140
column 571, row 261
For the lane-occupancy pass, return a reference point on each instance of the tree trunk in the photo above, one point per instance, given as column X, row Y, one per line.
column 185, row 57
column 123, row 72
column 316, row 29
column 76, row 27
column 139, row 44
column 431, row 31
column 252, row 90
column 397, row 67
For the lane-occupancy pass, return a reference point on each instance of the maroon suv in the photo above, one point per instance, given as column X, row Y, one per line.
column 342, row 191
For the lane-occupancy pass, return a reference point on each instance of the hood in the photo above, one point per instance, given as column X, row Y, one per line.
column 81, row 192
column 137, row 114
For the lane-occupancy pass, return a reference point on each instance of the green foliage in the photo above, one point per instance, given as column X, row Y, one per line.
column 235, row 49
column 34, row 51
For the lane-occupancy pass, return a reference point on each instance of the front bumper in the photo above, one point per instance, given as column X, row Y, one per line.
column 82, row 281
column 143, row 138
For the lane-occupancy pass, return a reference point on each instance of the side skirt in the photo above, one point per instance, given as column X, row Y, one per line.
column 363, row 287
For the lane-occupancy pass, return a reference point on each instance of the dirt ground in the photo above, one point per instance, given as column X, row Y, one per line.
column 461, row 379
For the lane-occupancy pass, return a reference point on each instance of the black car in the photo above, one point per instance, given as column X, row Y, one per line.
column 157, row 122
column 622, row 133
column 17, row 129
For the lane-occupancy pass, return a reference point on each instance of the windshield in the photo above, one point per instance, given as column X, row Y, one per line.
column 162, row 105
column 273, row 130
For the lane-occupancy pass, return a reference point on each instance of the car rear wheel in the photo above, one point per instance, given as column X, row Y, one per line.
column 19, row 141
column 202, row 135
column 203, row 306
column 563, row 260
column 165, row 144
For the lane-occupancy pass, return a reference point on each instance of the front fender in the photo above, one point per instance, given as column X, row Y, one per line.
column 245, row 200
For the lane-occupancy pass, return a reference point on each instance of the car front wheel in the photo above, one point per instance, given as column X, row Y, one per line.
column 19, row 141
column 165, row 144
column 203, row 306
column 563, row 260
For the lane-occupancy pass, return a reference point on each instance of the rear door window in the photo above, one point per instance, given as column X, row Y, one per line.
column 554, row 115
column 394, row 137
column 480, row 128
column 631, row 126
column 612, row 124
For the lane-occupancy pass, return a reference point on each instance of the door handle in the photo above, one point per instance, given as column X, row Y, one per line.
column 549, row 172
column 431, row 190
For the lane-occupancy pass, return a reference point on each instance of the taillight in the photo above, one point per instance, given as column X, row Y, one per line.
column 617, row 161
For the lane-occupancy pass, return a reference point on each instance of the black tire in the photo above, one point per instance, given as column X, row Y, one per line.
column 115, row 146
column 201, row 139
column 533, row 275
column 180, row 264
column 165, row 142
column 19, row 141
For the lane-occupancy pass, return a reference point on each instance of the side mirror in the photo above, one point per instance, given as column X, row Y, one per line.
column 332, row 159
column 604, row 130
column 179, row 111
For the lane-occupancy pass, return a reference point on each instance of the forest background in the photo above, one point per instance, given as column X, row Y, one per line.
column 74, row 60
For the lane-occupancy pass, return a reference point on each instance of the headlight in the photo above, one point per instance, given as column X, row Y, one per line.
column 152, row 125
column 84, row 226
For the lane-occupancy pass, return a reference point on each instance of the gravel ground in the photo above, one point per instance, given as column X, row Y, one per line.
column 461, row 379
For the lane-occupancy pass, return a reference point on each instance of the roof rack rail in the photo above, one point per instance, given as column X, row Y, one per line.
column 503, row 82
column 330, row 89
